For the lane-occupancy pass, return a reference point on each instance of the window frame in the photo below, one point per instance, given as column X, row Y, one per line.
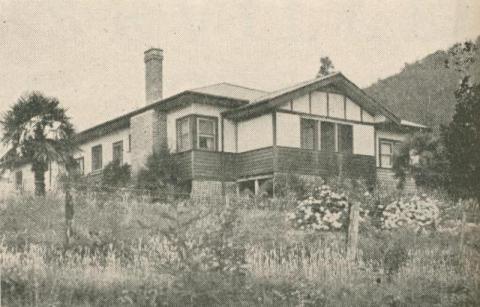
column 315, row 125
column 114, row 146
column 179, row 134
column 339, row 136
column 214, row 121
column 393, row 144
column 335, row 145
column 82, row 164
column 100, row 160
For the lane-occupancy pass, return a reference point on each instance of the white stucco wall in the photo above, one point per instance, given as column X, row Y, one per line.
column 255, row 133
column 229, row 136
column 107, row 148
column 336, row 105
column 8, row 182
column 302, row 104
column 319, row 103
column 353, row 111
column 367, row 117
column 288, row 130
column 363, row 140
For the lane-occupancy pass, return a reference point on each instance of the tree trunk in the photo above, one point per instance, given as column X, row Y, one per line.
column 68, row 216
column 39, row 170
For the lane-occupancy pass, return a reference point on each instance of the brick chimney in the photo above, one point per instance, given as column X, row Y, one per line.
column 153, row 58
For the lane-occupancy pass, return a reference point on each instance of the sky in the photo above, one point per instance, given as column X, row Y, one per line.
column 89, row 54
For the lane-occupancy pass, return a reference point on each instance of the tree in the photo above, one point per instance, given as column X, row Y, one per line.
column 160, row 173
column 423, row 157
column 326, row 67
column 462, row 142
column 38, row 131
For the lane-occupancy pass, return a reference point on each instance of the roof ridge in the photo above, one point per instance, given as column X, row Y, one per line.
column 228, row 83
column 245, row 87
column 303, row 83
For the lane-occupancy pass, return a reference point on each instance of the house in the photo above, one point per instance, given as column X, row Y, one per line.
column 225, row 136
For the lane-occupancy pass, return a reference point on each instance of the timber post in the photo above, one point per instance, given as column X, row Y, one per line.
column 352, row 234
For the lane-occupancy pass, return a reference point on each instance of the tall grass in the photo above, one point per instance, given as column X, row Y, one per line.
column 121, row 258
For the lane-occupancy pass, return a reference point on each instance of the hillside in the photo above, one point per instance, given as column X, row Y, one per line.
column 423, row 91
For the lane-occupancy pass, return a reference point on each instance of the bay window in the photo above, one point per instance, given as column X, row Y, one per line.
column 206, row 134
column 196, row 132
column 183, row 134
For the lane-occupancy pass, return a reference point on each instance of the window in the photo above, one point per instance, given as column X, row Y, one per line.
column 345, row 138
column 19, row 180
column 96, row 157
column 206, row 134
column 327, row 140
column 309, row 133
column 117, row 152
column 80, row 165
column 183, row 134
column 129, row 143
column 386, row 154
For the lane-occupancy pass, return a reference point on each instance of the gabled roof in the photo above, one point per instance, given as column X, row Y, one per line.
column 247, row 102
column 176, row 101
column 335, row 81
column 229, row 90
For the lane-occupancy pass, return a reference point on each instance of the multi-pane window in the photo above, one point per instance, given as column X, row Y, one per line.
column 183, row 134
column 345, row 138
column 309, row 133
column 206, row 134
column 327, row 136
column 96, row 157
column 117, row 152
column 80, row 165
column 386, row 154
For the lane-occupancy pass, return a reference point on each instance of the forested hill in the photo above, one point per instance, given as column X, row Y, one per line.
column 423, row 91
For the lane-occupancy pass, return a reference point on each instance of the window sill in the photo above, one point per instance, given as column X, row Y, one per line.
column 96, row 172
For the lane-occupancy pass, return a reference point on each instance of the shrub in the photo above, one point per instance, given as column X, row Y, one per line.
column 160, row 174
column 323, row 210
column 417, row 211
column 116, row 175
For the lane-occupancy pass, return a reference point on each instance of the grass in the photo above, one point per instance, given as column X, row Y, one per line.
column 120, row 257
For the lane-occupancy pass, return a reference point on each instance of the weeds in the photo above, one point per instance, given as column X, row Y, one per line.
column 146, row 254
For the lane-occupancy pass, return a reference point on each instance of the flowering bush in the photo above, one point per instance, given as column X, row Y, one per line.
column 418, row 211
column 324, row 210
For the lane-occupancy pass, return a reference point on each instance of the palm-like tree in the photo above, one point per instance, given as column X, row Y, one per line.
column 37, row 130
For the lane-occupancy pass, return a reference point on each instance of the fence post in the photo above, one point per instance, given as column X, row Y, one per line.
column 462, row 230
column 352, row 235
